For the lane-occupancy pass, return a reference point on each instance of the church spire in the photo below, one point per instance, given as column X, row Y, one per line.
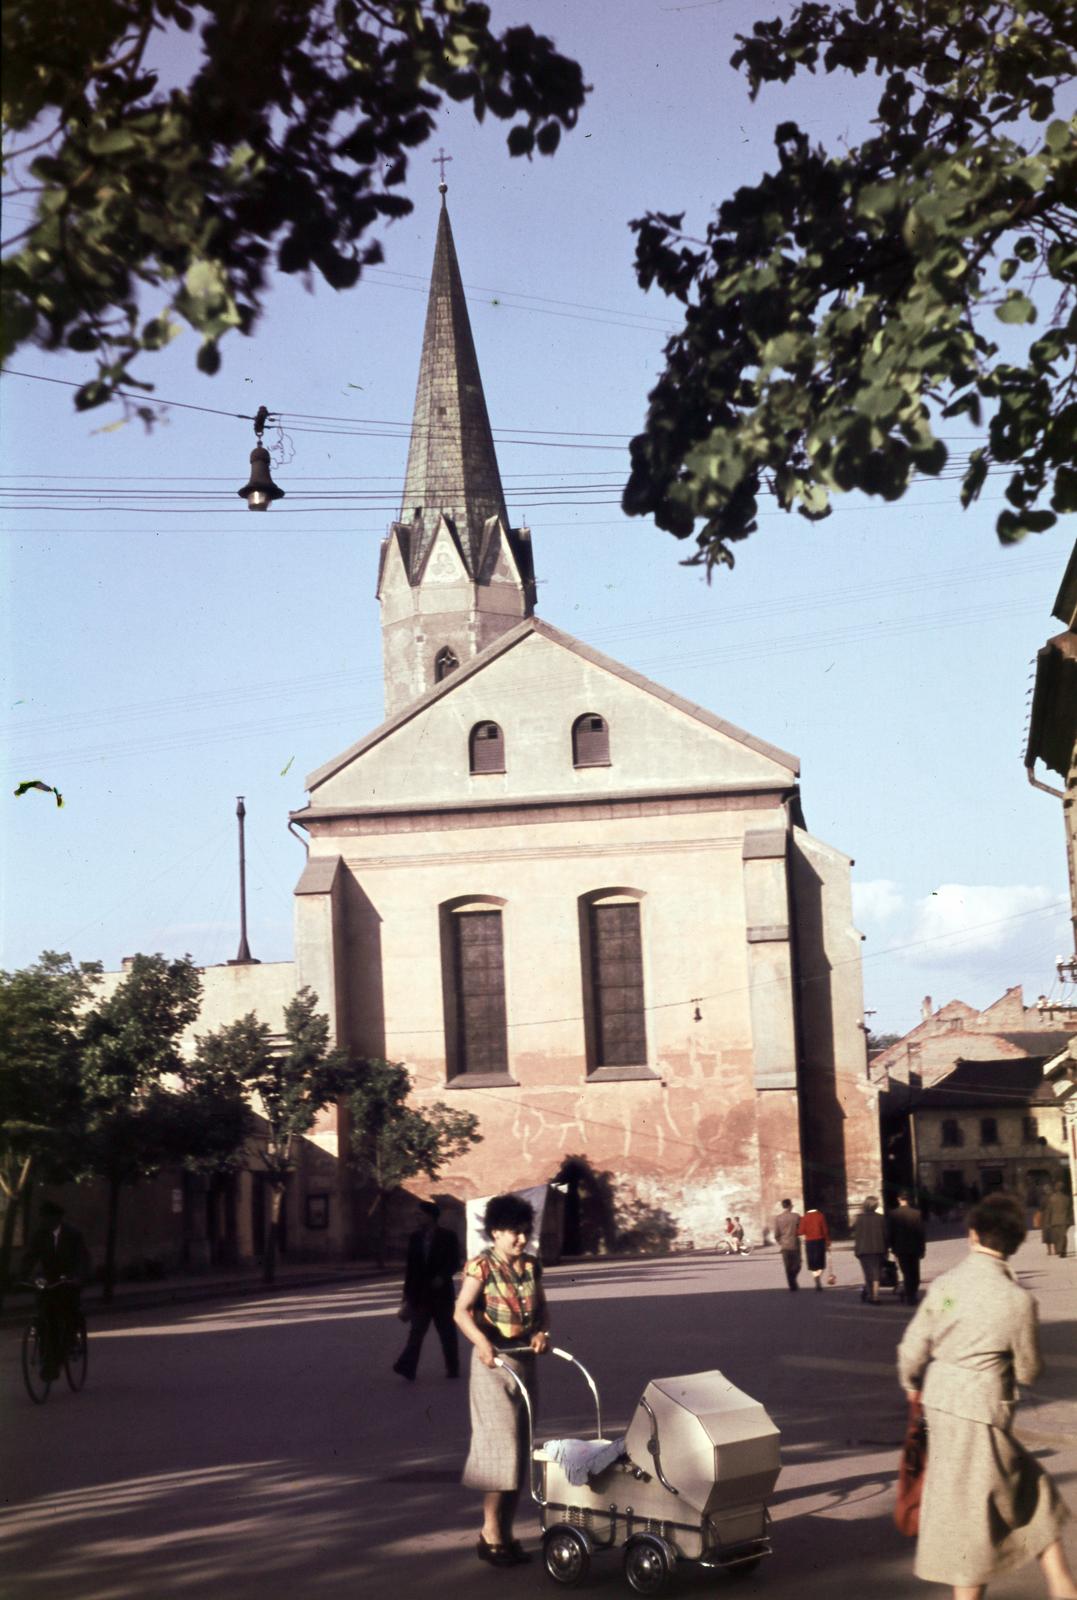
column 452, row 467
column 453, row 575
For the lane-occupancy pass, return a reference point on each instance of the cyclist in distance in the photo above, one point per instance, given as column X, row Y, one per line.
column 57, row 1252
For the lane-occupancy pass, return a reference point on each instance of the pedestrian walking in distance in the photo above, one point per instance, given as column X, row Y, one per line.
column 1057, row 1219
column 816, row 1235
column 502, row 1310
column 987, row 1506
column 433, row 1260
column 787, row 1238
column 869, row 1247
column 905, row 1234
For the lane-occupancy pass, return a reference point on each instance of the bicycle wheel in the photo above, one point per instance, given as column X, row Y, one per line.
column 37, row 1387
column 78, row 1356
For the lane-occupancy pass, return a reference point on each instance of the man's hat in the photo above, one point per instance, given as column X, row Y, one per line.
column 50, row 1208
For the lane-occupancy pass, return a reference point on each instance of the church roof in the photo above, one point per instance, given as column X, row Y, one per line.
column 452, row 467
column 535, row 625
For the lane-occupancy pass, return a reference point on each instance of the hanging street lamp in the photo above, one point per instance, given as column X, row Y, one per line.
column 260, row 491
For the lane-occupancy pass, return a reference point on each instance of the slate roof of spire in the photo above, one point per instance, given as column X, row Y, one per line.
column 452, row 467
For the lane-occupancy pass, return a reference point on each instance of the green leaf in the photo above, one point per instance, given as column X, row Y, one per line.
column 112, row 141
column 1016, row 308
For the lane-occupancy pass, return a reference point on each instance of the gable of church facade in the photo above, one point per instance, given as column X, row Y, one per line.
column 535, row 691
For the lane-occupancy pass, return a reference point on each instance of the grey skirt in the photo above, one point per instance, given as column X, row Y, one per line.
column 498, row 1458
column 988, row 1505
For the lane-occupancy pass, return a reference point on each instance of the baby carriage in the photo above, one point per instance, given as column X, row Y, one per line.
column 688, row 1482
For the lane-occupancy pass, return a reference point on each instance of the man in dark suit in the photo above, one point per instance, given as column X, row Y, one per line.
column 57, row 1253
column 905, row 1237
column 433, row 1258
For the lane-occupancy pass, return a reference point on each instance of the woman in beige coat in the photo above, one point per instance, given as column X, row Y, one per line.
column 988, row 1506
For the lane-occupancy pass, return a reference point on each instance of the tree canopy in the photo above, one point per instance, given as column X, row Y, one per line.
column 847, row 306
column 393, row 1141
column 158, row 203
column 40, row 1087
column 291, row 1077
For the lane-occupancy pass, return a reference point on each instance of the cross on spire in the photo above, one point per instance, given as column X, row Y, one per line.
column 439, row 161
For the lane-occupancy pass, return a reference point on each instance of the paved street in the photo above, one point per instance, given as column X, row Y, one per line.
column 259, row 1449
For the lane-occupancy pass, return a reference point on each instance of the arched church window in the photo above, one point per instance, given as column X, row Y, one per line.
column 486, row 748
column 444, row 662
column 612, row 954
column 590, row 741
column 473, row 974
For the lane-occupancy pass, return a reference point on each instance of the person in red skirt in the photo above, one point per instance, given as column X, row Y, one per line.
column 816, row 1235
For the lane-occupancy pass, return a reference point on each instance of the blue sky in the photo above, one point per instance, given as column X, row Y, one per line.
column 165, row 650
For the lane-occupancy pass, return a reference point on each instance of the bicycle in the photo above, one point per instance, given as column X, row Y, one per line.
column 76, row 1357
column 733, row 1247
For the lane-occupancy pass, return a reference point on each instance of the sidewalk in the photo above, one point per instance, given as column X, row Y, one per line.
column 213, row 1284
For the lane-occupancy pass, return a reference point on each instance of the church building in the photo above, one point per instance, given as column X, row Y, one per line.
column 569, row 900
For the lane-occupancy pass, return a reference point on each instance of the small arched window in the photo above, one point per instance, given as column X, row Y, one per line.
column 590, row 741
column 486, row 748
column 444, row 662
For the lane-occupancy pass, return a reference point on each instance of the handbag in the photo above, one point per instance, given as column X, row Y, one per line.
column 911, row 1470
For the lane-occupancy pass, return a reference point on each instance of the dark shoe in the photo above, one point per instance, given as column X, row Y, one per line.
column 519, row 1555
column 49, row 1374
column 403, row 1372
column 498, row 1555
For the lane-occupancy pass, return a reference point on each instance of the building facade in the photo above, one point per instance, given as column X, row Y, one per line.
column 568, row 899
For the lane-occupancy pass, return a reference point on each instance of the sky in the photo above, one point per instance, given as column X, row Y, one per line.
column 164, row 651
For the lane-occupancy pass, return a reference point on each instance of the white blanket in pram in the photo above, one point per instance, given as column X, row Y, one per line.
column 581, row 1459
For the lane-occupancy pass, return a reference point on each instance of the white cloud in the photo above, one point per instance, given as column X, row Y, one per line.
column 877, row 900
column 961, row 919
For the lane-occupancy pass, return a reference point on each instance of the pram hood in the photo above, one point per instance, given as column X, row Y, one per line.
column 711, row 1442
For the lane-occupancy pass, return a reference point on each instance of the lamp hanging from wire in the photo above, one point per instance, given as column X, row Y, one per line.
column 260, row 491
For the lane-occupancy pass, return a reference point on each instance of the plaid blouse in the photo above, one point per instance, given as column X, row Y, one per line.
column 512, row 1303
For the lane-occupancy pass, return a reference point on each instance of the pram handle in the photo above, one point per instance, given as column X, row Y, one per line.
column 525, row 1349
column 565, row 1355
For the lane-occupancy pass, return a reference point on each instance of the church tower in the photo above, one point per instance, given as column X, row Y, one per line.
column 453, row 575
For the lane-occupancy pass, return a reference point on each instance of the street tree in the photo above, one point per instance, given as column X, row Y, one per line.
column 157, row 203
column 288, row 1078
column 845, row 308
column 393, row 1141
column 128, row 1055
column 40, row 1088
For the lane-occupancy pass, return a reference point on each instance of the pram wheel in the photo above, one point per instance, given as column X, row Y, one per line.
column 649, row 1563
column 567, row 1555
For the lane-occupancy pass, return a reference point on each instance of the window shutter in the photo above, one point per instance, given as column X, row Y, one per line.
column 617, row 986
column 590, row 741
column 479, row 971
column 487, row 748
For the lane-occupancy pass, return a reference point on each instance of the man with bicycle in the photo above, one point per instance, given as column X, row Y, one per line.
column 57, row 1254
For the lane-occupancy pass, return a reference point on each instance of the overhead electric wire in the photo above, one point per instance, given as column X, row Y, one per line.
column 679, row 625
column 193, row 738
